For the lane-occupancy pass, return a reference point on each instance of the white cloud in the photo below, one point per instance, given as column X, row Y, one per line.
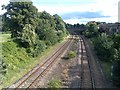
column 84, row 20
column 106, row 7
column 3, row 2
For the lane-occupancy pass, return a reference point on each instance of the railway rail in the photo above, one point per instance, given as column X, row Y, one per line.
column 96, row 70
column 41, row 70
column 87, row 78
column 90, row 71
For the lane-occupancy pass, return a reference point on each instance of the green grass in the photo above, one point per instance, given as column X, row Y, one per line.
column 14, row 74
column 54, row 84
column 5, row 37
column 71, row 54
column 107, row 69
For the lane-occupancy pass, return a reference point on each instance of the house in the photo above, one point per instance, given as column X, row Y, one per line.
column 110, row 28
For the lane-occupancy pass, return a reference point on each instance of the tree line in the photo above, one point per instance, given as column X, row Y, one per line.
column 31, row 29
column 31, row 32
column 107, row 48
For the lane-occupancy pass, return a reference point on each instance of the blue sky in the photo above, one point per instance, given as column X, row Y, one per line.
column 96, row 10
column 63, row 2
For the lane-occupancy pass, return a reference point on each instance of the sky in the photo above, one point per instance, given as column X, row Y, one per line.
column 79, row 11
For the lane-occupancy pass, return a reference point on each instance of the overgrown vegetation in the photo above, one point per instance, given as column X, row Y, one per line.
column 32, row 32
column 54, row 84
column 71, row 54
column 107, row 48
column 4, row 37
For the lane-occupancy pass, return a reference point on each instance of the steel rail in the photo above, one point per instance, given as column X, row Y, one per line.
column 67, row 43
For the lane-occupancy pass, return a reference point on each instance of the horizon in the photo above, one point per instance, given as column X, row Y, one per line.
column 78, row 11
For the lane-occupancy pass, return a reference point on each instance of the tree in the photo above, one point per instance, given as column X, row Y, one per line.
column 46, row 28
column 104, row 47
column 116, row 40
column 60, row 26
column 116, row 70
column 21, row 19
column 91, row 30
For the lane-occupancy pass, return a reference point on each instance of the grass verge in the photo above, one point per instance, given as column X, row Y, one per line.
column 15, row 74
column 5, row 37
column 106, row 66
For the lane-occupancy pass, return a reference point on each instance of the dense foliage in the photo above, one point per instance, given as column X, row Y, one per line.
column 13, row 55
column 91, row 30
column 30, row 28
column 116, row 65
column 104, row 47
column 0, row 23
column 107, row 48
column 31, row 31
column 71, row 54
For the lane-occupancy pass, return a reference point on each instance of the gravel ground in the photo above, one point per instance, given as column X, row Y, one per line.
column 65, row 70
column 55, row 71
column 68, row 71
column 101, row 81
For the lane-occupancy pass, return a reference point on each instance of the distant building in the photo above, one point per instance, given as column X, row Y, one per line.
column 110, row 28
column 92, row 22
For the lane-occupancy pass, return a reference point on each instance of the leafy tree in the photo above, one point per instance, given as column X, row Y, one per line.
column 37, row 48
column 21, row 19
column 60, row 27
column 104, row 46
column 46, row 28
column 116, row 63
column 91, row 30
column 116, row 40
column 116, row 70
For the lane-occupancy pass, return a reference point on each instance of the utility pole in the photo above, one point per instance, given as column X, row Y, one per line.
column 119, row 17
column 119, row 11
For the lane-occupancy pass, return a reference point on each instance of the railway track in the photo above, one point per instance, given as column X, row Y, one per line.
column 96, row 70
column 90, row 71
column 87, row 78
column 30, row 81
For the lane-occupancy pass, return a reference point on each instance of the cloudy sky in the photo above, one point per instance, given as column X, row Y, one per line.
column 79, row 11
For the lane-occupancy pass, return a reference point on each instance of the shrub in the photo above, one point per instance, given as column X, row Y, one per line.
column 71, row 54
column 38, row 48
column 54, row 84
column 13, row 55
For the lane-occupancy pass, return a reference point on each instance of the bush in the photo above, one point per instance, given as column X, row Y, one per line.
column 54, row 84
column 71, row 54
column 3, row 67
column 104, row 47
column 116, row 70
column 38, row 48
column 13, row 55
column 3, row 70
